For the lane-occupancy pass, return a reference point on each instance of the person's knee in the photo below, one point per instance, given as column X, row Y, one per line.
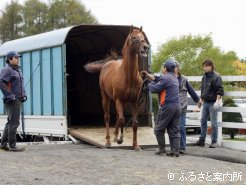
column 182, row 131
column 174, row 134
column 214, row 126
column 204, row 120
column 182, row 126
column 158, row 132
column 14, row 127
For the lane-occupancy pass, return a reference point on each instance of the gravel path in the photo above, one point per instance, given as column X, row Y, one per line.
column 86, row 165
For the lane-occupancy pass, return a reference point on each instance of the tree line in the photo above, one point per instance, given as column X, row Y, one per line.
column 35, row 16
column 191, row 50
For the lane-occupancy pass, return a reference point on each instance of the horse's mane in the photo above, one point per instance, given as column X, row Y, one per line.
column 125, row 45
column 112, row 55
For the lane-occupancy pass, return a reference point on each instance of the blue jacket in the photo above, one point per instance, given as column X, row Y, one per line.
column 11, row 83
column 167, row 87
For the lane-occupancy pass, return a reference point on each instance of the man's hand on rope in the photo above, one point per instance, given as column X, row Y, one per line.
column 146, row 75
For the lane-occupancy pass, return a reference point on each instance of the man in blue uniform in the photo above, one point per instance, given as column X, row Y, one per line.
column 167, row 87
column 12, row 87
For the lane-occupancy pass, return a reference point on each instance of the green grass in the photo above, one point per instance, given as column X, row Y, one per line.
column 236, row 139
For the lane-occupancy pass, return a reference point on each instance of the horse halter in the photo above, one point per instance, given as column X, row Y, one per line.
column 135, row 40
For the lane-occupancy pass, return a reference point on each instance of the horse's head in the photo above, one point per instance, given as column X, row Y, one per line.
column 136, row 40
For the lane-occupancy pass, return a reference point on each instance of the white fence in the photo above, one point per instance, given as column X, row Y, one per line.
column 240, row 94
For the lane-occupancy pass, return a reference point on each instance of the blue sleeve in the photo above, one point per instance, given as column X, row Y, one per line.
column 192, row 92
column 157, row 78
column 5, row 77
column 157, row 87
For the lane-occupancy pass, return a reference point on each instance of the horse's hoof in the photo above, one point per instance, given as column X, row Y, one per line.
column 119, row 141
column 108, row 145
column 115, row 139
column 138, row 149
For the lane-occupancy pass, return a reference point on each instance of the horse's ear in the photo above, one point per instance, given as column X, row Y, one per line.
column 131, row 29
column 141, row 28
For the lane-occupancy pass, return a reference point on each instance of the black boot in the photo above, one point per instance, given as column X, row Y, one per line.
column 161, row 143
column 199, row 143
column 16, row 149
column 175, row 144
column 172, row 154
column 4, row 148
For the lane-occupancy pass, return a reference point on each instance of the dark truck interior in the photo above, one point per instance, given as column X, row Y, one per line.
column 87, row 44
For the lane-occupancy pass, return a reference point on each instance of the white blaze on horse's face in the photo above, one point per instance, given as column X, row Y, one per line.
column 139, row 44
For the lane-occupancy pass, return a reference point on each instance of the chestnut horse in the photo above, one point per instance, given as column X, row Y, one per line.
column 121, row 82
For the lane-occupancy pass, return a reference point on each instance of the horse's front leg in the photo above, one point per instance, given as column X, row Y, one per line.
column 135, row 128
column 120, row 121
column 106, row 105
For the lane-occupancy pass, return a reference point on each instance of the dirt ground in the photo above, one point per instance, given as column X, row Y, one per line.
column 86, row 165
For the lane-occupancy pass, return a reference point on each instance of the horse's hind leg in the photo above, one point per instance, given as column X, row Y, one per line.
column 120, row 121
column 106, row 105
column 116, row 131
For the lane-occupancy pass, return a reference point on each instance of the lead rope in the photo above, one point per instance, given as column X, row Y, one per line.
column 22, row 110
column 22, row 106
column 142, row 96
column 32, row 74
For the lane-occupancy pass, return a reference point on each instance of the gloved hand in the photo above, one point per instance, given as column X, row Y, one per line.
column 218, row 105
column 23, row 99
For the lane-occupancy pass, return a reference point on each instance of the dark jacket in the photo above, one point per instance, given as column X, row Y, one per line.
column 167, row 87
column 11, row 83
column 211, row 87
column 184, row 88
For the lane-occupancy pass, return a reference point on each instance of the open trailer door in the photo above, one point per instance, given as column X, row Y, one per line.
column 87, row 43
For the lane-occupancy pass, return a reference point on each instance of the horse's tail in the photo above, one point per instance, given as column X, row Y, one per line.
column 95, row 67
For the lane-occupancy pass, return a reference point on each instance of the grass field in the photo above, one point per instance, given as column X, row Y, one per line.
column 236, row 139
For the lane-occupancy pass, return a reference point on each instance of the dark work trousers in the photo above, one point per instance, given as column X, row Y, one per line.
column 168, row 118
column 9, row 134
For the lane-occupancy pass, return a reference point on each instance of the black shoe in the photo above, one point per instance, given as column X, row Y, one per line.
column 160, row 151
column 171, row 154
column 213, row 145
column 16, row 149
column 199, row 143
column 181, row 151
column 4, row 148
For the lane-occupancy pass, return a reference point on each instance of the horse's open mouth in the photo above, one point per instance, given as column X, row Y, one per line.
column 144, row 54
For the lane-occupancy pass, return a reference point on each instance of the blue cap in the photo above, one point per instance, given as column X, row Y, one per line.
column 170, row 64
column 13, row 54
